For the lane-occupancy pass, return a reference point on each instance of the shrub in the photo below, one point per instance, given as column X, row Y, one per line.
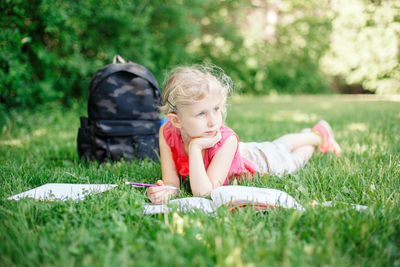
column 364, row 48
column 50, row 49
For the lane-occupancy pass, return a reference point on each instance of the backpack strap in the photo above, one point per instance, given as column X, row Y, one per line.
column 130, row 67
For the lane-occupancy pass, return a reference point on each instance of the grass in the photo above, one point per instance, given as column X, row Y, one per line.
column 38, row 147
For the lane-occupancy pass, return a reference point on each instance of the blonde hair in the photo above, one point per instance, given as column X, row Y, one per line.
column 187, row 85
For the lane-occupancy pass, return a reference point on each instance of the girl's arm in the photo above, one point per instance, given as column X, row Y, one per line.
column 170, row 176
column 202, row 182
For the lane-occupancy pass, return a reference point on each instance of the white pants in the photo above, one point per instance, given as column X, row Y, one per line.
column 272, row 158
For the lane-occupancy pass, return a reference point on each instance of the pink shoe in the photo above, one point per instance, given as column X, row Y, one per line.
column 328, row 142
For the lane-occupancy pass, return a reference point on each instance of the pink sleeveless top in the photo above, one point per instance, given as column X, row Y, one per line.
column 240, row 167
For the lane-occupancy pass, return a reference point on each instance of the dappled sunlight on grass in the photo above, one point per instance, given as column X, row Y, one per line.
column 39, row 132
column 293, row 115
column 360, row 148
column 234, row 258
column 178, row 223
column 326, row 105
column 272, row 98
column 253, row 114
column 41, row 136
column 353, row 142
column 66, row 135
column 12, row 142
column 353, row 127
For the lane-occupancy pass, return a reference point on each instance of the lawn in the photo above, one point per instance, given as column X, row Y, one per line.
column 38, row 147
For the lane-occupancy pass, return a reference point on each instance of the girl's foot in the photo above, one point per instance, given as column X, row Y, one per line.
column 328, row 142
column 306, row 130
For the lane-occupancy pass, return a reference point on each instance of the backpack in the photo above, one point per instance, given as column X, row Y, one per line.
column 123, row 114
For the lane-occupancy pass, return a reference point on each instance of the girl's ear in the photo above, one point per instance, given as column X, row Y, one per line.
column 174, row 119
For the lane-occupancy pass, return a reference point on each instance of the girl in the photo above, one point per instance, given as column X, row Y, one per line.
column 195, row 145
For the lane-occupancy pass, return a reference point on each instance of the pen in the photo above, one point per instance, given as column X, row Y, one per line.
column 148, row 185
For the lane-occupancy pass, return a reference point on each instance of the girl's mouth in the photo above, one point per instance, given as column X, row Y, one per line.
column 210, row 133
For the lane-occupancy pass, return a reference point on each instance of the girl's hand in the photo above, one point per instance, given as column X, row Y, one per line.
column 160, row 194
column 205, row 142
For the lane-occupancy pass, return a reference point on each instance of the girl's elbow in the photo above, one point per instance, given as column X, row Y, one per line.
column 204, row 192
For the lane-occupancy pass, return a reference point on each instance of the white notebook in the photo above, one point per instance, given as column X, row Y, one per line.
column 56, row 191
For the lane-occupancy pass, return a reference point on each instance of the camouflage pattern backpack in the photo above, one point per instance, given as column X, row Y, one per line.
column 123, row 114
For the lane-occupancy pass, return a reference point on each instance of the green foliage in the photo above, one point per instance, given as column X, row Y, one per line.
column 289, row 63
column 49, row 49
column 109, row 229
column 365, row 45
column 286, row 64
column 301, row 42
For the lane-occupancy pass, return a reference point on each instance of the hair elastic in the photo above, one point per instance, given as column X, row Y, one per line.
column 171, row 106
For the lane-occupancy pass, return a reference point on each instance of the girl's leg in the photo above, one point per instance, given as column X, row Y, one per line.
column 301, row 146
column 290, row 152
column 298, row 140
column 304, row 153
column 321, row 136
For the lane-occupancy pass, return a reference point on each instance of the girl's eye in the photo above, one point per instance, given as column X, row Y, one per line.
column 200, row 114
column 216, row 109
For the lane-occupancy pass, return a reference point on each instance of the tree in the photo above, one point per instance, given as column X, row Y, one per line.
column 365, row 43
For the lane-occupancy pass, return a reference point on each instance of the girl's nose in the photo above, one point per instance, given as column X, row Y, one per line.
column 211, row 120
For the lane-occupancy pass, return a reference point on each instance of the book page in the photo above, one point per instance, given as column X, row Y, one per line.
column 63, row 192
column 262, row 197
column 189, row 204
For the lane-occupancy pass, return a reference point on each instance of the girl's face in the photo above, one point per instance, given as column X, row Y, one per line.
column 203, row 118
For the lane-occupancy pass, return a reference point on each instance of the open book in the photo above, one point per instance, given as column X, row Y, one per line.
column 233, row 196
